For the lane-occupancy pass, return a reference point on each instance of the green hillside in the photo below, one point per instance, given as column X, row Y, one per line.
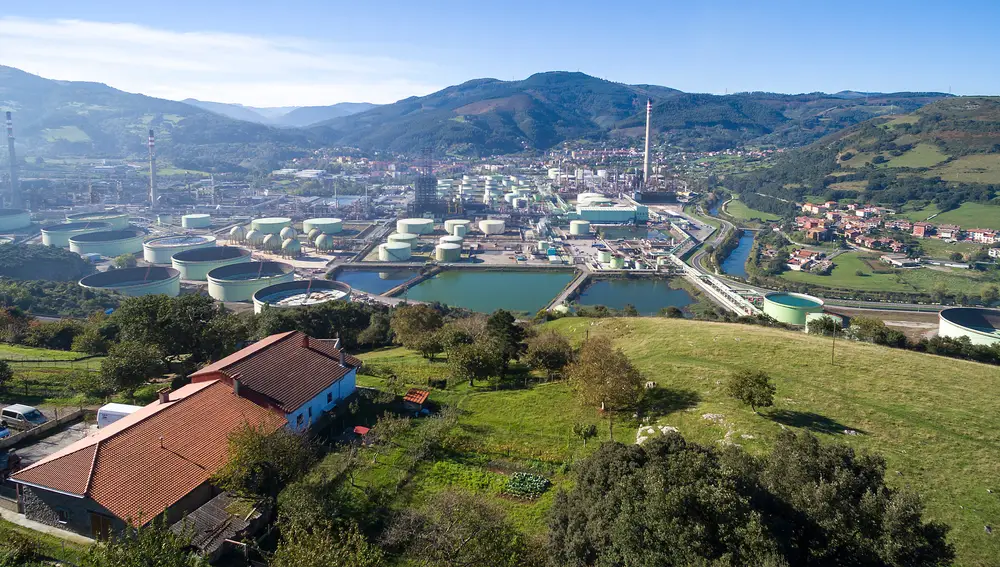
column 932, row 418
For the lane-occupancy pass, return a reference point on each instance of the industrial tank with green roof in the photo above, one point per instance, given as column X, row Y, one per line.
column 109, row 243
column 197, row 263
column 160, row 250
column 58, row 235
column 791, row 308
column 300, row 293
column 117, row 219
column 135, row 282
column 981, row 326
column 270, row 225
column 14, row 219
column 238, row 282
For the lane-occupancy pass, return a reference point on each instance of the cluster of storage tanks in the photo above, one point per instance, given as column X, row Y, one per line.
column 277, row 235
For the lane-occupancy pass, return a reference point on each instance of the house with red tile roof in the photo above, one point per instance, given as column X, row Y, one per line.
column 293, row 373
column 156, row 461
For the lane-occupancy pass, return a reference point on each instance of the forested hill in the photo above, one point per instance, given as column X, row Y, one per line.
column 941, row 155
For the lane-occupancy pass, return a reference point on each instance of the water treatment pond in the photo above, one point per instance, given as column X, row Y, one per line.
column 374, row 281
column 485, row 292
column 736, row 263
column 648, row 296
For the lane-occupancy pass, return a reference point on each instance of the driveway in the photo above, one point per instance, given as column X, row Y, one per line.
column 60, row 439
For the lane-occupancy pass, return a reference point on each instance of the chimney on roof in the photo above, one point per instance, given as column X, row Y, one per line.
column 164, row 395
column 342, row 358
column 236, row 384
column 305, row 340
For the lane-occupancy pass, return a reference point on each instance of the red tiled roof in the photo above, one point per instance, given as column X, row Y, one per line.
column 147, row 461
column 361, row 430
column 416, row 396
column 288, row 368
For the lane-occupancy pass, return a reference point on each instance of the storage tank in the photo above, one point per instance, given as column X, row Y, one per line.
column 195, row 264
column 791, row 308
column 109, row 243
column 617, row 263
column 451, row 240
column 405, row 237
column 270, row 225
column 981, row 326
column 415, row 226
column 291, row 247
column 196, row 220
column 325, row 242
column 288, row 232
column 14, row 219
column 255, row 238
column 160, row 250
column 492, row 227
column 313, row 234
column 117, row 219
column 579, row 228
column 164, row 219
column 604, row 256
column 448, row 252
column 237, row 234
column 134, row 282
column 394, row 252
column 271, row 242
column 451, row 225
column 238, row 282
column 327, row 225
column 543, row 245
column 300, row 293
column 59, row 234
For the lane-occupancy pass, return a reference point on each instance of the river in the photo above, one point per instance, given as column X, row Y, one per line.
column 487, row 291
column 647, row 295
column 736, row 263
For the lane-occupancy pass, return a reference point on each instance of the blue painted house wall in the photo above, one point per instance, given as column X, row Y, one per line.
column 325, row 401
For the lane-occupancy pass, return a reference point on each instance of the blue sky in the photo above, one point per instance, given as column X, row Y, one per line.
column 298, row 52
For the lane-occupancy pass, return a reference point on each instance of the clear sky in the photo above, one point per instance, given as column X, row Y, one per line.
column 312, row 52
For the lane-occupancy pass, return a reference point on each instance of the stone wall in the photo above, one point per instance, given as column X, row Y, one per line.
column 43, row 506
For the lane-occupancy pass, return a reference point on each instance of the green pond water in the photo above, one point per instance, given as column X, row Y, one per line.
column 648, row 296
column 485, row 292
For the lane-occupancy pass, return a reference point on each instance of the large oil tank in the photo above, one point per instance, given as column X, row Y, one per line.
column 161, row 250
column 59, row 234
column 270, row 225
column 415, row 226
column 238, row 282
column 981, row 326
column 196, row 220
column 134, row 282
column 300, row 293
column 108, row 243
column 197, row 263
column 448, row 252
column 604, row 256
column 271, row 242
column 327, row 225
column 492, row 227
column 451, row 226
column 117, row 219
column 394, row 252
column 579, row 228
column 14, row 219
column 617, row 263
column 791, row 308
column 164, row 219
column 405, row 237
column 451, row 240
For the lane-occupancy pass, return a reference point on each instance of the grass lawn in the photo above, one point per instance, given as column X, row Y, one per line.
column 976, row 168
column 65, row 133
column 12, row 353
column 921, row 280
column 933, row 419
column 847, row 186
column 737, row 209
column 940, row 249
column 967, row 215
column 48, row 545
column 921, row 155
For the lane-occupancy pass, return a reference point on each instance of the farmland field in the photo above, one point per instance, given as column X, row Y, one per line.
column 976, row 168
column 737, row 209
column 968, row 215
column 66, row 133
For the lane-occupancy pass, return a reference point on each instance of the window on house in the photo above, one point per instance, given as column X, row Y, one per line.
column 329, row 397
column 299, row 419
column 62, row 515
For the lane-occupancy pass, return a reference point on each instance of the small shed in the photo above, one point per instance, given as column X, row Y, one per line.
column 362, row 433
column 415, row 398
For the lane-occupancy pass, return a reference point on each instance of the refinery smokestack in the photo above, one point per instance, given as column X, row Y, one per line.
column 15, row 189
column 152, row 171
column 645, row 159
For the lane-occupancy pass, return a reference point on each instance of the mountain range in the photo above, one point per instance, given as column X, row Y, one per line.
column 478, row 117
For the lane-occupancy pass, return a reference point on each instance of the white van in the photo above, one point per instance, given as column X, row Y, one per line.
column 21, row 416
column 111, row 413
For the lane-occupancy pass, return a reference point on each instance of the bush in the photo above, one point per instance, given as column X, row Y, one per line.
column 526, row 485
column 17, row 549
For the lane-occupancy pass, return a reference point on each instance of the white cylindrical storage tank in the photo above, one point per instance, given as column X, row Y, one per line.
column 195, row 264
column 579, row 228
column 324, row 242
column 16, row 219
column 313, row 233
column 451, row 240
column 271, row 242
column 237, row 234
column 300, row 293
column 405, row 237
column 109, row 243
column 543, row 246
column 287, row 232
column 59, row 234
column 198, row 220
column 161, row 250
column 460, row 230
column 448, row 252
column 238, row 282
column 117, row 220
column 255, row 237
column 327, row 225
column 291, row 247
column 270, row 225
column 604, row 256
column 394, row 252
column 415, row 226
column 164, row 219
column 492, row 226
column 135, row 282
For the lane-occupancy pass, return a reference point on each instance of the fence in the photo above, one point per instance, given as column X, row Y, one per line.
column 92, row 362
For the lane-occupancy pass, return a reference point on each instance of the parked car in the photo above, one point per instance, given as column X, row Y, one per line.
column 10, row 463
column 4, row 431
column 21, row 416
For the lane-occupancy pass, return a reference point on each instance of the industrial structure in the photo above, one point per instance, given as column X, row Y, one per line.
column 270, row 225
column 327, row 225
column 153, row 196
column 981, row 326
column 109, row 243
column 134, row 282
column 300, row 293
column 59, row 234
column 394, row 252
column 160, row 250
column 16, row 201
column 117, row 219
column 195, row 264
column 197, row 220
column 791, row 308
column 238, row 282
column 645, row 153
column 415, row 226
column 14, row 219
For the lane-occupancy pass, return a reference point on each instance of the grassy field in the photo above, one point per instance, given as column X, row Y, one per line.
column 932, row 418
column 65, row 133
column 939, row 249
column 13, row 352
column 967, row 215
column 976, row 168
column 922, row 280
column 49, row 546
column 737, row 209
column 922, row 155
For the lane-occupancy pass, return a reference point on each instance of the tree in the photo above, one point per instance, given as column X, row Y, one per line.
column 6, row 373
column 90, row 341
column 752, row 387
column 261, row 461
column 955, row 257
column 125, row 261
column 457, row 529
column 476, row 361
column 584, row 431
column 604, row 377
column 548, row 351
column 130, row 364
column 507, row 336
column 325, row 548
column 825, row 326
column 630, row 311
column 672, row 312
column 144, row 546
column 177, row 325
column 415, row 326
column 990, row 295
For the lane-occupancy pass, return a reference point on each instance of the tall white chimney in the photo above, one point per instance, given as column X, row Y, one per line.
column 152, row 171
column 645, row 159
